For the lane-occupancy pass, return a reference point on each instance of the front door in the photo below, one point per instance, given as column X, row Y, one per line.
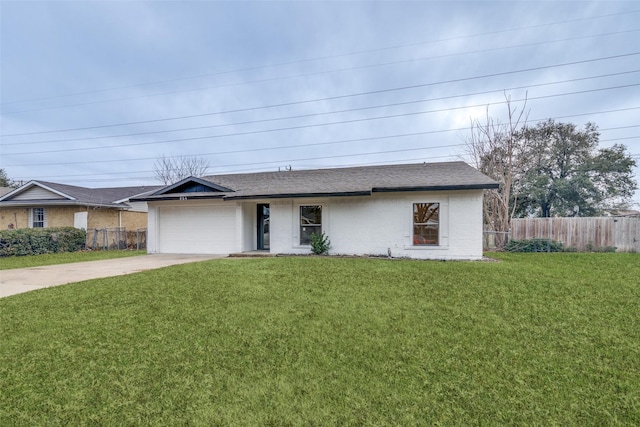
column 263, row 227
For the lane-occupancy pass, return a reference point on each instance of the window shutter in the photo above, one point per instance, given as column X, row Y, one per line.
column 45, row 216
column 30, row 218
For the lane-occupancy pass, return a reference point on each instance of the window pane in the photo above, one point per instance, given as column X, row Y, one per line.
column 310, row 222
column 426, row 223
column 38, row 217
column 310, row 215
column 306, row 231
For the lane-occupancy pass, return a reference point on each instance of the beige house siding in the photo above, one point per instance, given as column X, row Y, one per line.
column 56, row 217
column 134, row 220
column 64, row 217
column 102, row 218
column 61, row 217
column 17, row 217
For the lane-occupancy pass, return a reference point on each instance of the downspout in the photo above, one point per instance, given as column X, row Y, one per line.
column 119, row 218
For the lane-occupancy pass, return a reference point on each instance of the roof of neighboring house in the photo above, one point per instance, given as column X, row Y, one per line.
column 330, row 182
column 52, row 193
column 5, row 190
column 622, row 212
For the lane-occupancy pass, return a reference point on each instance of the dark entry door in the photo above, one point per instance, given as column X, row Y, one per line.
column 263, row 227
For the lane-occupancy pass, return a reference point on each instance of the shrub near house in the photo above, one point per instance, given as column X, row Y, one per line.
column 40, row 204
column 36, row 241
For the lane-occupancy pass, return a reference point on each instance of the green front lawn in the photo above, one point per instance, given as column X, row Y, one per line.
column 7, row 263
column 537, row 339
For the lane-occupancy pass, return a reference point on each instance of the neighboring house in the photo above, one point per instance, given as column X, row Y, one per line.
column 5, row 190
column 426, row 211
column 39, row 204
column 621, row 213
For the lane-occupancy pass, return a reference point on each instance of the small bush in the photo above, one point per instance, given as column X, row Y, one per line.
column 592, row 248
column 35, row 241
column 533, row 245
column 320, row 244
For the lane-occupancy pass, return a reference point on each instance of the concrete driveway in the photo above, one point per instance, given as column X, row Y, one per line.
column 20, row 280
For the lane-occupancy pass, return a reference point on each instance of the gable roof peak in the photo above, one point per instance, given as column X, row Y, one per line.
column 192, row 184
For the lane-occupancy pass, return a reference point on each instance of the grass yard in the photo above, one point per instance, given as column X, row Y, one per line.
column 7, row 263
column 537, row 339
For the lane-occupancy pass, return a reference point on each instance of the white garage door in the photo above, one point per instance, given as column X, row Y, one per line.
column 197, row 230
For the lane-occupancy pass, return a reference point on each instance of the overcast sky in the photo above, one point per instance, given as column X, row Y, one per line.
column 93, row 92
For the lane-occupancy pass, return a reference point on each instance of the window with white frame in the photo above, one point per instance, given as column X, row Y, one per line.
column 38, row 218
column 426, row 224
column 310, row 222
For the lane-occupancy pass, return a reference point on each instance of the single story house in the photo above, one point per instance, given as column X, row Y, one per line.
column 424, row 211
column 41, row 204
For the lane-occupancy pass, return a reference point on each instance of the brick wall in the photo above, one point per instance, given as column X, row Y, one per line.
column 134, row 220
column 381, row 222
column 63, row 217
column 15, row 216
column 370, row 225
column 56, row 216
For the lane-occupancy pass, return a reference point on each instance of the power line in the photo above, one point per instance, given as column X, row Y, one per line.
column 310, row 74
column 197, row 138
column 333, row 97
column 327, row 57
column 395, row 161
column 350, row 164
column 282, row 147
column 372, row 153
column 334, row 156
column 325, row 113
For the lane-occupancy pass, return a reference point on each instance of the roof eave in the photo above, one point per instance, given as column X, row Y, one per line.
column 179, row 196
column 31, row 184
column 299, row 195
column 167, row 189
column 45, row 203
column 436, row 188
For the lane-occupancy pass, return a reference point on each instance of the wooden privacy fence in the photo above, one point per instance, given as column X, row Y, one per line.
column 582, row 234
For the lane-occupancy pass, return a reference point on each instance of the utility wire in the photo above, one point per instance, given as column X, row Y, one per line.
column 334, row 97
column 197, row 138
column 372, row 153
column 200, row 89
column 322, row 113
column 218, row 172
column 331, row 143
column 328, row 57
column 283, row 147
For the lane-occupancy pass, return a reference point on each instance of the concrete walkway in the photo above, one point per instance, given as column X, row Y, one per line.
column 16, row 281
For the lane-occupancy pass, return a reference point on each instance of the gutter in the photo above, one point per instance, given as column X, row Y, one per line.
column 45, row 203
column 436, row 188
column 185, row 196
column 300, row 195
column 181, row 196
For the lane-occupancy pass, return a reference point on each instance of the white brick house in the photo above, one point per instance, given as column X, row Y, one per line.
column 424, row 211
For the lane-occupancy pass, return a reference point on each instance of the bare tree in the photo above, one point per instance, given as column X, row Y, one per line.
column 495, row 148
column 5, row 181
column 172, row 169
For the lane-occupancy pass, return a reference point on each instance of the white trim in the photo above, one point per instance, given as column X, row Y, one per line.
column 296, row 215
column 32, row 184
column 45, row 217
column 443, row 224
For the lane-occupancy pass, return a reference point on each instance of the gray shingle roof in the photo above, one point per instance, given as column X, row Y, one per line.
column 101, row 195
column 107, row 197
column 346, row 181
